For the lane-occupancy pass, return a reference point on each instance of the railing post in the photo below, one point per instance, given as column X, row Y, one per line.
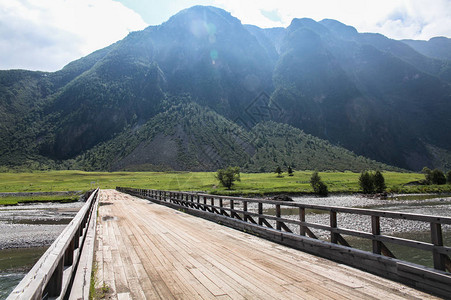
column 245, row 211
column 76, row 239
column 69, row 253
column 278, row 214
column 302, row 219
column 260, row 212
column 376, row 230
column 204, row 208
column 221, row 205
column 232, row 207
column 212, row 202
column 333, row 224
column 437, row 240
column 55, row 284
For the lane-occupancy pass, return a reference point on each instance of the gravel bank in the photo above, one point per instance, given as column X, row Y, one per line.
column 34, row 225
column 440, row 206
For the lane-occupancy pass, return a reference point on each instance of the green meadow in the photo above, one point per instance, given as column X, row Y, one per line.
column 250, row 184
column 13, row 200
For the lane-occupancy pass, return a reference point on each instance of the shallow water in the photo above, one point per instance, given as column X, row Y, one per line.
column 417, row 256
column 26, row 231
column 8, row 282
column 14, row 264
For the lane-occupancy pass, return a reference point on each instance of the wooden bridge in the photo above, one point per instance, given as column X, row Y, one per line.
column 148, row 251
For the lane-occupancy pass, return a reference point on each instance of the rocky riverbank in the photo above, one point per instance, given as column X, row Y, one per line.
column 436, row 205
column 34, row 225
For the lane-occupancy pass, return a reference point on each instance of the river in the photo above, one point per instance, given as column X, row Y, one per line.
column 26, row 231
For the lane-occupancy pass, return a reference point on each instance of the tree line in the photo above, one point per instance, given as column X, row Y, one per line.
column 370, row 182
column 436, row 176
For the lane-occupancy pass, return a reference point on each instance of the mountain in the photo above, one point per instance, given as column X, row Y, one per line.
column 362, row 91
column 437, row 47
column 188, row 136
column 202, row 91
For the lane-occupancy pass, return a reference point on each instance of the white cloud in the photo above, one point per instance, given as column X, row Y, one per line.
column 47, row 34
column 417, row 19
column 399, row 19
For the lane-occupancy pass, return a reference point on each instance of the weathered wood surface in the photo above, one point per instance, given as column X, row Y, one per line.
column 148, row 251
column 82, row 279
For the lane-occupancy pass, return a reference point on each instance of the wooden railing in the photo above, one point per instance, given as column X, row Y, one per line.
column 252, row 215
column 52, row 275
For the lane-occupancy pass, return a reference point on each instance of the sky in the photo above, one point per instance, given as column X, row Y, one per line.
column 45, row 35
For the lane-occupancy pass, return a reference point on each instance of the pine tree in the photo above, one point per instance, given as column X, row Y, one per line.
column 379, row 182
column 319, row 187
column 366, row 183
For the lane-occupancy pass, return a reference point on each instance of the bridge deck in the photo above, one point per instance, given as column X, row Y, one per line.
column 149, row 251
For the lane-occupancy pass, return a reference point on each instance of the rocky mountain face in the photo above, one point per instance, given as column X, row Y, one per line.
column 202, row 91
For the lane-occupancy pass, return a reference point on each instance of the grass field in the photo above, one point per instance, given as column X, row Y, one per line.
column 12, row 200
column 251, row 183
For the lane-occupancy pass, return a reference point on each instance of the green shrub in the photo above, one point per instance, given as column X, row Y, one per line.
column 379, row 182
column 228, row 176
column 366, row 182
column 319, row 187
column 437, row 177
column 290, row 171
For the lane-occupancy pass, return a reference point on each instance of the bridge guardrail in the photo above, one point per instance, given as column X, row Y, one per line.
column 52, row 275
column 248, row 214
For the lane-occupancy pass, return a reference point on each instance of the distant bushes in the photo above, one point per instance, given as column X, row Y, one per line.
column 436, row 176
column 371, row 183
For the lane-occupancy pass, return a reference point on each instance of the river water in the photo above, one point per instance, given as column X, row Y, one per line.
column 26, row 231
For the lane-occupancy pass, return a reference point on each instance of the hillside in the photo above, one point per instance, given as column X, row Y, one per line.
column 221, row 82
column 190, row 137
